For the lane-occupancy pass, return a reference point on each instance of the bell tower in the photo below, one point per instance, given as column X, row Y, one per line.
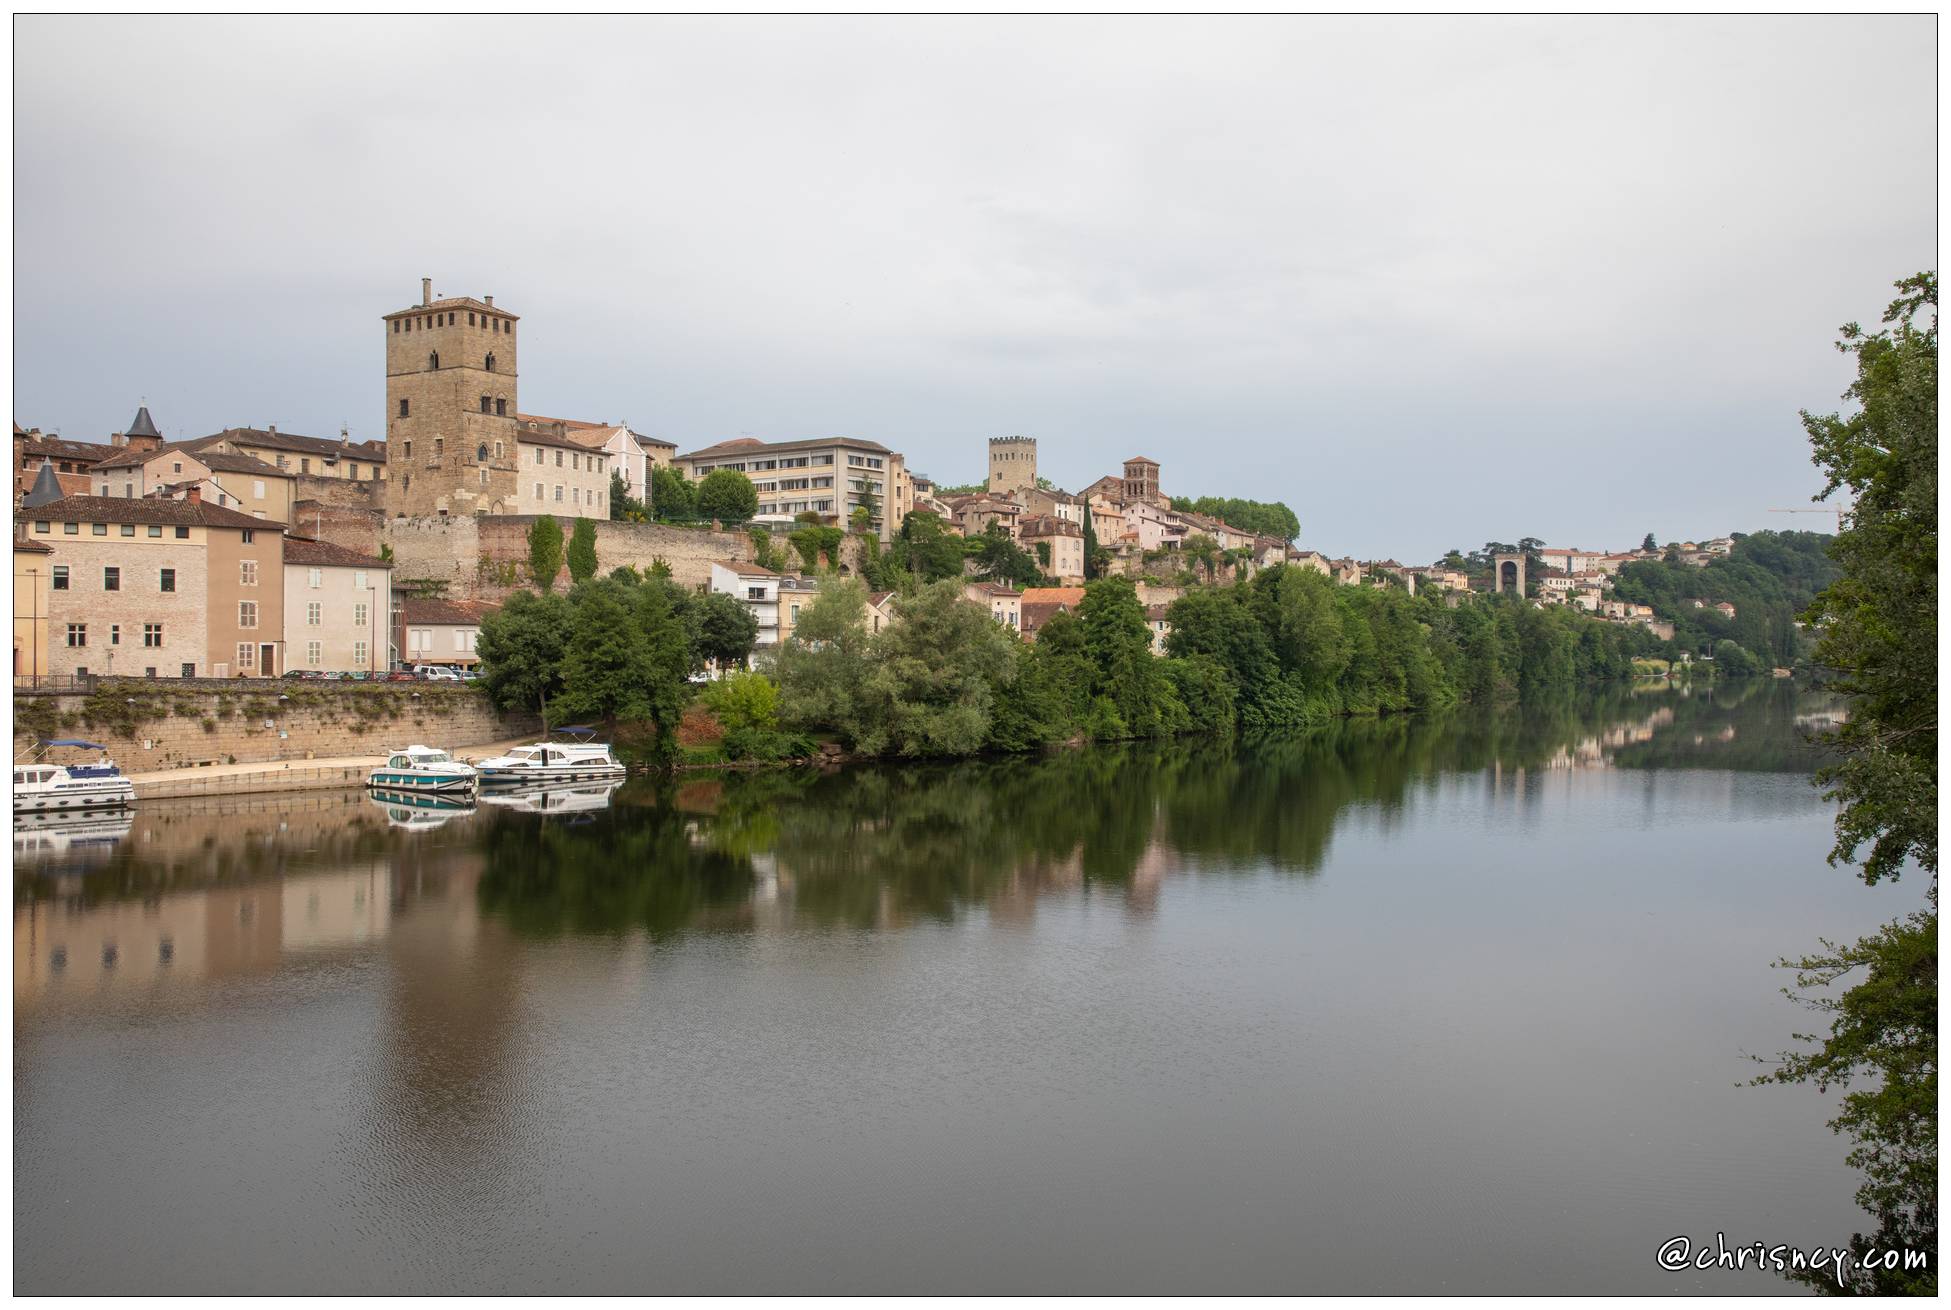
column 450, row 407
column 1012, row 464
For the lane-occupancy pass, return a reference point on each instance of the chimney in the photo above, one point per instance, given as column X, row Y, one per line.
column 426, row 291
column 194, row 495
column 270, row 429
column 118, row 439
column 490, row 300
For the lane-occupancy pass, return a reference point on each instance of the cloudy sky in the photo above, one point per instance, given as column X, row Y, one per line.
column 1430, row 282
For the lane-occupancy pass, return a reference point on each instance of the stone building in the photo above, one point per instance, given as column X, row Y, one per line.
column 1063, row 542
column 451, row 409
column 31, row 569
column 1141, row 480
column 302, row 457
column 226, row 479
column 1012, row 465
column 161, row 587
column 338, row 608
column 71, row 461
column 436, row 631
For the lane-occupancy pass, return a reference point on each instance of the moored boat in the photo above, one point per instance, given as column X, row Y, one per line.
column 424, row 769
column 559, row 798
column 41, row 787
column 420, row 809
column 578, row 757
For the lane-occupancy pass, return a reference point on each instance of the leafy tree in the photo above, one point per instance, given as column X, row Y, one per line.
column 1124, row 670
column 582, row 550
column 927, row 549
column 723, row 629
column 868, row 502
column 1202, row 550
column 999, row 559
column 1649, row 543
column 1272, row 519
column 821, row 669
column 1878, row 622
column 1731, row 661
column 746, row 706
column 521, row 648
column 672, row 498
column 625, row 507
column 544, row 551
column 727, row 496
column 931, row 687
column 626, row 659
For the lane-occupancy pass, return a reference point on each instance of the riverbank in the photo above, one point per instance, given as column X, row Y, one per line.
column 285, row 775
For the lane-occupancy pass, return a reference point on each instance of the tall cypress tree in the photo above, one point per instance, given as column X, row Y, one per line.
column 1090, row 544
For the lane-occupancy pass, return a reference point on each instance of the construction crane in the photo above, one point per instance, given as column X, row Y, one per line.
column 1837, row 512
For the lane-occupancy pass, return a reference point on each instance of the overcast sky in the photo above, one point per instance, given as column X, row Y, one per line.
column 1429, row 281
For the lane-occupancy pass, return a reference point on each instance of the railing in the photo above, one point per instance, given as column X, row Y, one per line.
column 55, row 682
column 252, row 778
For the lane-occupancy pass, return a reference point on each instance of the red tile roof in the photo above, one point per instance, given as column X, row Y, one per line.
column 148, row 509
column 305, row 550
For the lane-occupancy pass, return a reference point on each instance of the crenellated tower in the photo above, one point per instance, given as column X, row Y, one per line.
column 1012, row 464
column 450, row 407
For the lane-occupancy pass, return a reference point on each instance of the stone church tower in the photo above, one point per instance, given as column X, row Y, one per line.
column 450, row 408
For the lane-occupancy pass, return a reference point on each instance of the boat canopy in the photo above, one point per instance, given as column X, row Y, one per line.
column 66, row 741
column 581, row 731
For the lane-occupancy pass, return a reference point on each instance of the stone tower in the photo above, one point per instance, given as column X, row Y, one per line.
column 1012, row 464
column 1141, row 479
column 450, row 408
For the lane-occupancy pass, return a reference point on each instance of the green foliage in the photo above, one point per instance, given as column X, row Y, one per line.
column 521, row 648
column 1731, row 661
column 746, row 706
column 820, row 671
column 672, row 498
column 933, row 679
column 999, row 559
column 727, row 496
column 1271, row 519
column 723, row 629
column 625, row 507
column 1878, row 621
column 1768, row 577
column 627, row 658
column 1093, row 568
column 814, row 540
column 926, row 549
column 582, row 550
column 544, row 551
column 764, row 553
column 1124, row 670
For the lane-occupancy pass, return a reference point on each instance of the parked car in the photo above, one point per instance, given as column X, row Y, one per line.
column 436, row 673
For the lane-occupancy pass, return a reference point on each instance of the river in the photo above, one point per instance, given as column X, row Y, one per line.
column 1458, row 1005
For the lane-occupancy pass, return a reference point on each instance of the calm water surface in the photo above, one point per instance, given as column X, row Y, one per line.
column 1451, row 1006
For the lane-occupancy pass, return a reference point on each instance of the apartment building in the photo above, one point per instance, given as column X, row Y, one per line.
column 554, row 475
column 302, row 456
column 72, row 461
column 828, row 476
column 338, row 608
column 1058, row 545
column 757, row 587
column 1004, row 603
column 435, row 631
column 226, row 479
column 631, row 455
column 31, row 561
column 161, row 587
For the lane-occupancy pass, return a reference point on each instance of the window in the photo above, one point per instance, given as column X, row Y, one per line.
column 501, row 408
column 470, row 318
column 71, row 528
column 189, row 670
column 359, row 580
column 575, row 495
column 312, row 653
column 359, row 654
column 77, row 635
column 314, row 614
column 257, row 488
column 169, row 580
column 409, row 450
column 104, row 488
column 316, row 577
column 152, row 634
column 149, row 672
column 497, row 450
column 128, row 529
column 247, row 569
column 247, row 614
column 487, row 405
column 558, row 493
column 575, row 461
column 155, row 529
column 484, row 478
column 111, row 578
column 460, row 639
column 795, row 610
column 403, row 412
column 440, row 446
column 481, row 453
column 281, row 458
column 60, row 577
column 538, row 455
column 433, row 360
column 43, row 526
column 538, row 491
column 246, row 655
column 250, row 535
column 177, row 467
column 182, row 533
column 755, row 593
column 489, row 364
column 352, row 471
column 99, row 529
column 558, row 459
column 359, row 615
column 304, row 465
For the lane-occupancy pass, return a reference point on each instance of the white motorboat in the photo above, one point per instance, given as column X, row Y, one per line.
column 41, row 788
column 578, row 758
column 422, row 768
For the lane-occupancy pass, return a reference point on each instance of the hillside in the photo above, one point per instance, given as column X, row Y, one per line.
column 1769, row 578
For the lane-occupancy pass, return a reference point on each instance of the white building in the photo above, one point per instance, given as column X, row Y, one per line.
column 338, row 608
column 757, row 587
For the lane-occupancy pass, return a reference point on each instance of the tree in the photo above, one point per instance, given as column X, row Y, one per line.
column 998, row 559
column 723, row 629
column 728, row 496
column 821, row 669
column 521, row 648
column 612, row 669
column 746, row 706
column 582, row 550
column 544, row 551
column 764, row 553
column 1878, row 622
column 818, row 545
column 868, row 502
column 672, row 499
column 1202, row 550
column 1091, row 569
column 1124, row 671
column 927, row 549
column 931, row 688
column 1649, row 543
column 625, row 507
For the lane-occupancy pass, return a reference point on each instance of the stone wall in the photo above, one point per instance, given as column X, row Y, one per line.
column 487, row 558
column 352, row 527
column 169, row 724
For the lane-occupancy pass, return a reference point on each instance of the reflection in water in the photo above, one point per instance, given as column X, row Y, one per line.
column 1116, row 1010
